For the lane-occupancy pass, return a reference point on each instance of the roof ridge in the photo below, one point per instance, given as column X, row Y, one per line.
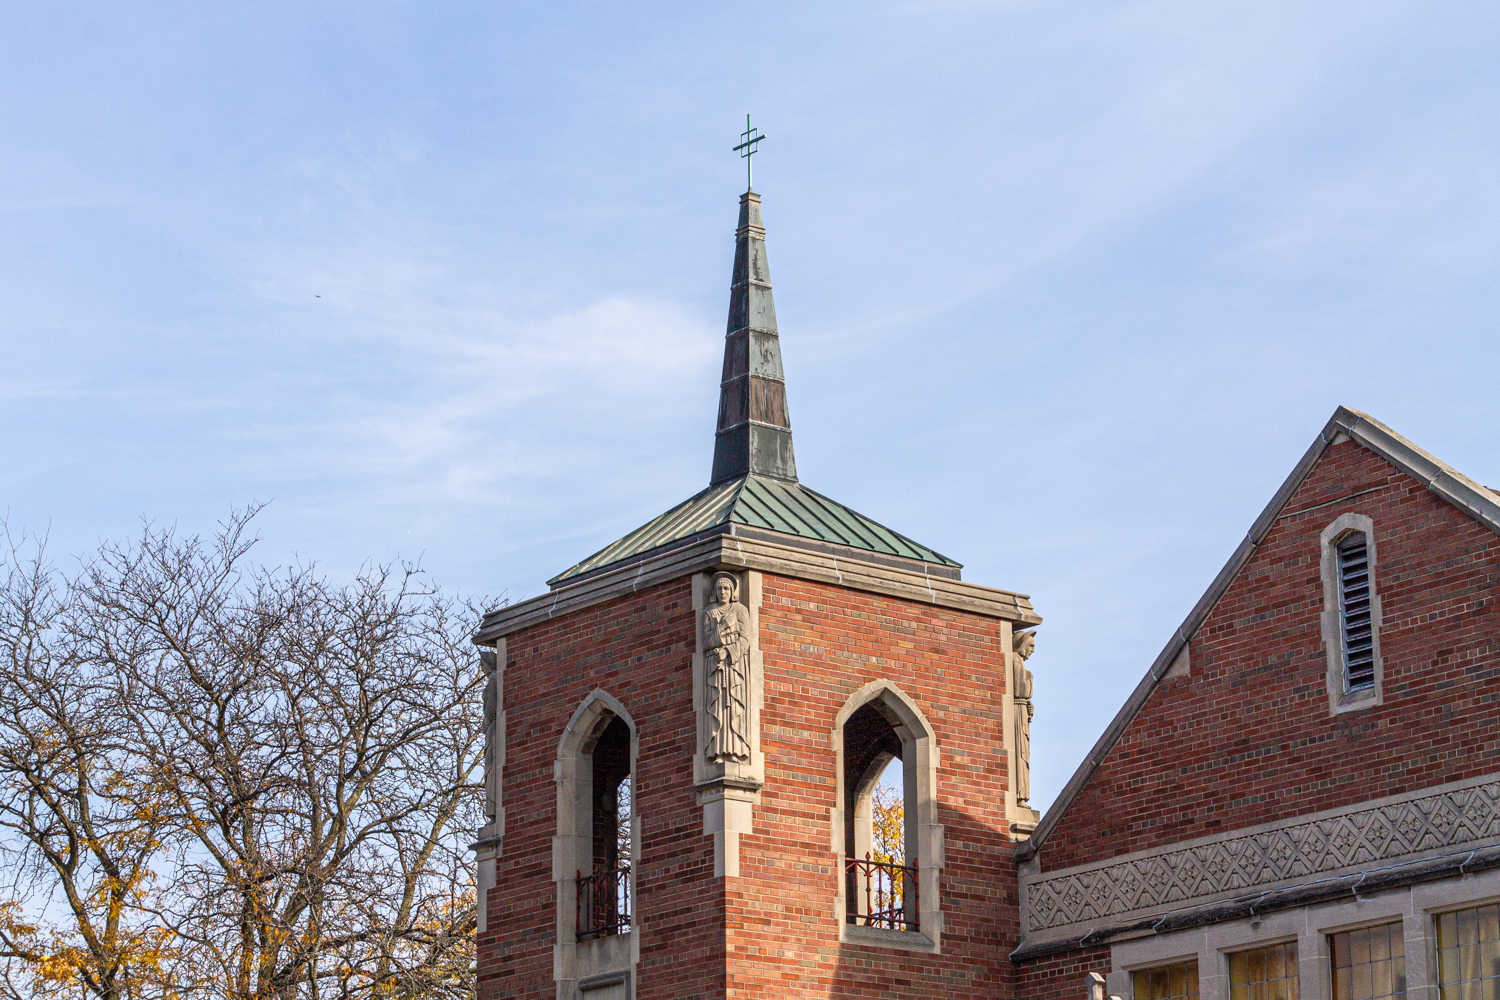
column 739, row 490
column 664, row 515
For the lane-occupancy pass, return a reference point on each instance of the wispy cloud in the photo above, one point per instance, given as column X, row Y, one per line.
column 447, row 383
column 451, row 281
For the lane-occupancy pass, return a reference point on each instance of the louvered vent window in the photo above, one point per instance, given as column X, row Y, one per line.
column 1354, row 612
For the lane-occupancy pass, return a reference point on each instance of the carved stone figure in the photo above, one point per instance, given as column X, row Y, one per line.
column 490, row 665
column 1023, row 646
column 726, row 670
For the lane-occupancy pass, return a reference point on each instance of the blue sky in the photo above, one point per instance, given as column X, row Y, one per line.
column 1065, row 289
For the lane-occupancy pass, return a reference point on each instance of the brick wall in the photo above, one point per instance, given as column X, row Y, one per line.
column 822, row 643
column 639, row 649
column 1247, row 738
column 1061, row 976
column 772, row 932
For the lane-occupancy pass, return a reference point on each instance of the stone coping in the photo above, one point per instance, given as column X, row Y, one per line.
column 734, row 551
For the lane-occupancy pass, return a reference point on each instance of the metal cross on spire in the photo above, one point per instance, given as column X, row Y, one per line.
column 747, row 149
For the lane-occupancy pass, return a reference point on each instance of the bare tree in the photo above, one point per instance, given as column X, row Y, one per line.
column 314, row 751
column 80, row 817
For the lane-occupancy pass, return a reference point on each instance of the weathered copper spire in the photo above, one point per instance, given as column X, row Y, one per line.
column 754, row 436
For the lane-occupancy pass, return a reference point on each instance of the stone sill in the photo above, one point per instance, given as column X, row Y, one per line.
column 880, row 937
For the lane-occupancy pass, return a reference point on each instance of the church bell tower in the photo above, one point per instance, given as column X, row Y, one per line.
column 761, row 746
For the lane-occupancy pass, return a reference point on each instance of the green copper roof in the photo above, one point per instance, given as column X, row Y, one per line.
column 768, row 504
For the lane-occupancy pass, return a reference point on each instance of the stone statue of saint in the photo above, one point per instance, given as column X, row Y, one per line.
column 1023, row 645
column 726, row 671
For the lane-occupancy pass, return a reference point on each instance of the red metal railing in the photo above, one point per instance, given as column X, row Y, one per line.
column 603, row 903
column 881, row 894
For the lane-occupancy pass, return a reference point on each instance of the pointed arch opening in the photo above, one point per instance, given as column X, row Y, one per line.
column 604, row 885
column 879, row 884
column 885, row 824
column 596, row 845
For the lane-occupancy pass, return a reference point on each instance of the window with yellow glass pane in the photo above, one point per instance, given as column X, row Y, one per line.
column 1369, row 963
column 1265, row 973
column 1469, row 953
column 1166, row 982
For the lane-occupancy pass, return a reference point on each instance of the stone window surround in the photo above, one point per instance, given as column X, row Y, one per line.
column 578, row 965
column 1339, row 700
column 1416, row 906
column 920, row 757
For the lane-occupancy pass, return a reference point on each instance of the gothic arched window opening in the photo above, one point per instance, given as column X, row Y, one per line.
column 879, row 838
column 596, row 845
column 604, row 891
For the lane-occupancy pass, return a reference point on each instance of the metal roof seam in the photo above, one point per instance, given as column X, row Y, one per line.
column 923, row 553
column 766, row 504
column 791, row 516
column 751, row 504
column 810, row 516
column 856, row 522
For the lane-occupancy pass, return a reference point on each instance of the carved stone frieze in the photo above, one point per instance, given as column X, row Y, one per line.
column 1387, row 831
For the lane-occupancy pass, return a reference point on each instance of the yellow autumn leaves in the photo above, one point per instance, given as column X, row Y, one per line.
column 228, row 780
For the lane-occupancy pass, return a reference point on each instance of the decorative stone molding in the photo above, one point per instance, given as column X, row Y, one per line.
column 910, row 580
column 1412, row 904
column 610, row 986
column 728, row 690
column 1395, row 830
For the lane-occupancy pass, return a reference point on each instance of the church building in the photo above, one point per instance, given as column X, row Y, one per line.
column 742, row 669
column 687, row 731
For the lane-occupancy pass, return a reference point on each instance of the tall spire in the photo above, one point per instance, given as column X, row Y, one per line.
column 754, row 436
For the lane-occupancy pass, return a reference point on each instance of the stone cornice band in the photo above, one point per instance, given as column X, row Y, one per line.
column 1200, row 880
column 741, row 551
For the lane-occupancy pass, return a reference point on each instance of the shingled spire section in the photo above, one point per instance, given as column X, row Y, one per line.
column 754, row 436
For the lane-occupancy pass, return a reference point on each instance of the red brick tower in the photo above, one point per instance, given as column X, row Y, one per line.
column 688, row 729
